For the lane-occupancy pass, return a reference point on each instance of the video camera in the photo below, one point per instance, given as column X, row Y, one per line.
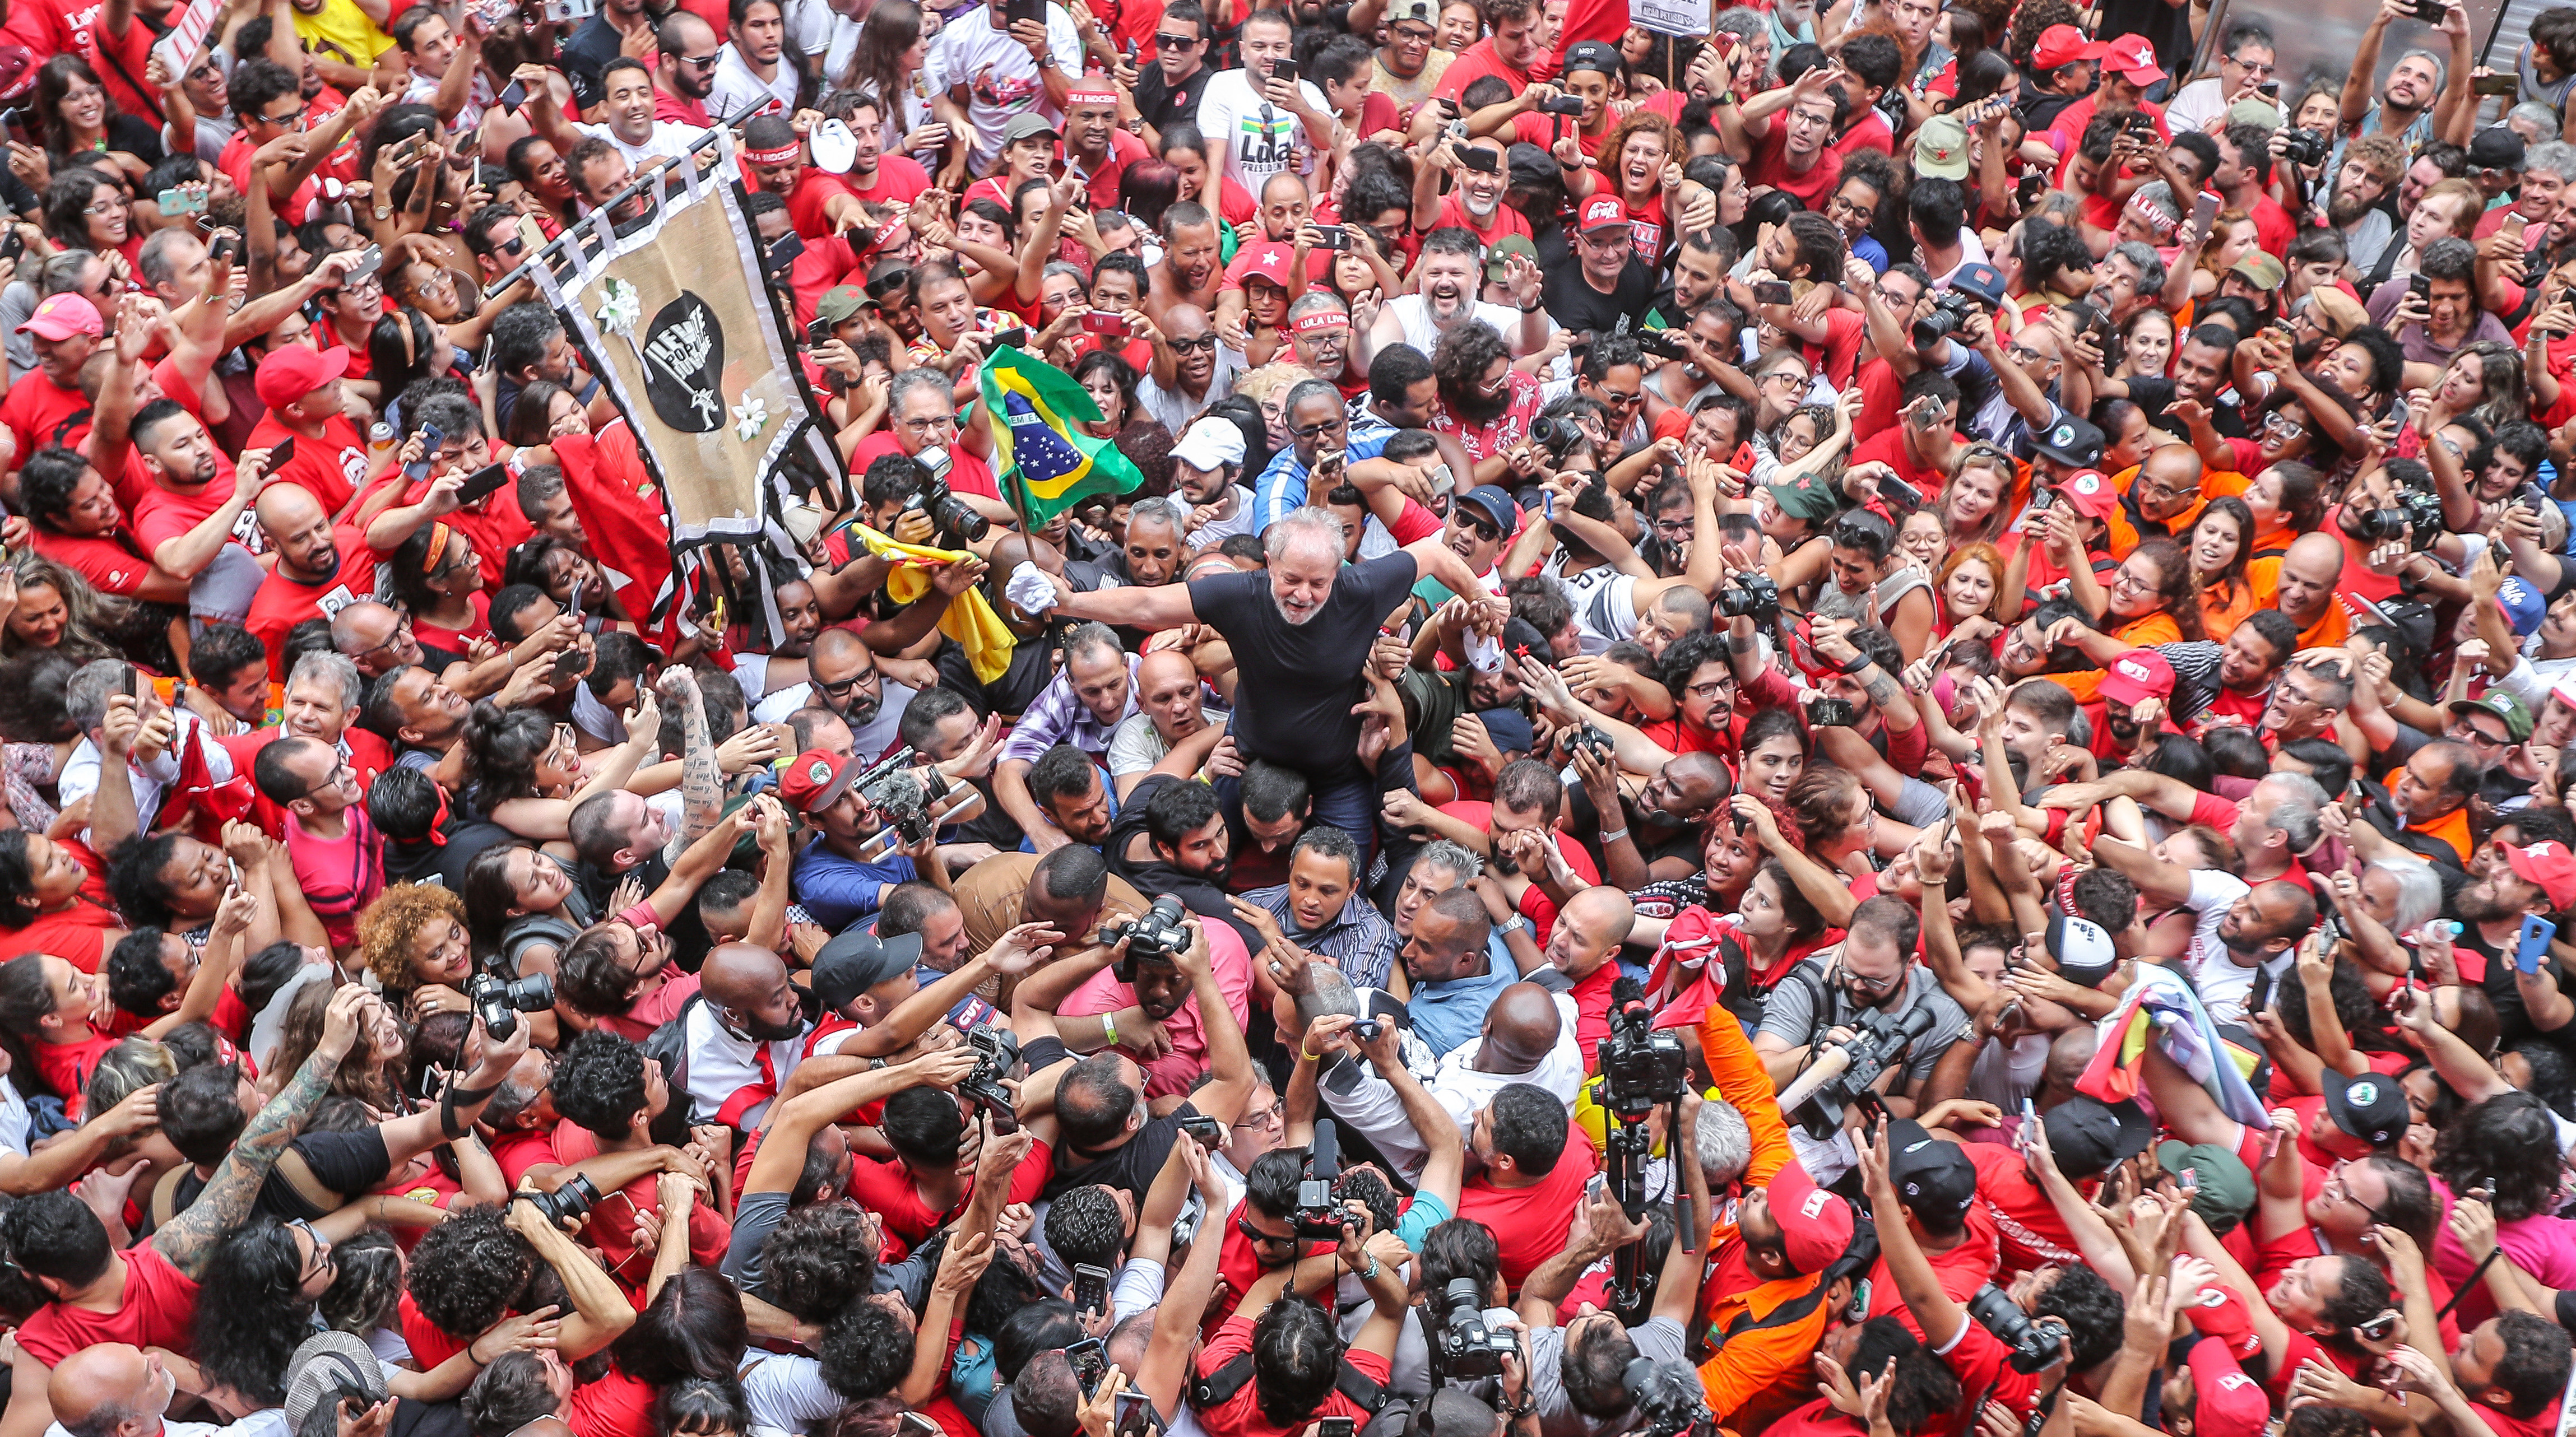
column 997, row 1051
column 2414, row 507
column 2034, row 1345
column 1642, row 1067
column 1463, row 1347
column 1842, row 1075
column 566, row 1203
column 1320, row 1216
column 498, row 1002
column 1155, row 937
column 1669, row 1397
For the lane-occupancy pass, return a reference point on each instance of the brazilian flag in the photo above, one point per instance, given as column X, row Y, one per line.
column 1044, row 464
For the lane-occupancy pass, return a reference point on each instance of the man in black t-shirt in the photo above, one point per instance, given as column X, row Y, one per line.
column 1300, row 630
column 1170, row 81
column 1610, row 282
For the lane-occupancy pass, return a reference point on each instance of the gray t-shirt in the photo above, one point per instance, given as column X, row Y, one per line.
column 1661, row 1340
column 1791, row 1014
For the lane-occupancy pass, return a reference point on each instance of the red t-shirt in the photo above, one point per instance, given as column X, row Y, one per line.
column 235, row 163
column 1771, row 167
column 899, row 181
column 66, row 1067
column 616, row 1405
column 1503, row 223
column 427, row 1340
column 283, row 601
column 1473, row 64
column 1529, row 1223
column 814, row 189
column 330, row 468
column 2030, row 1233
column 520, row 1151
column 159, row 1310
column 77, row 934
column 111, row 564
column 1962, row 1270
column 612, row 1232
column 1240, row 1415
column 1870, row 133
column 1545, row 130
column 165, row 515
column 1887, row 447
column 1124, row 150
column 967, row 473
column 887, row 1190
column 41, row 414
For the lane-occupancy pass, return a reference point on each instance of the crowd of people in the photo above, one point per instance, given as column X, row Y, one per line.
column 1858, row 726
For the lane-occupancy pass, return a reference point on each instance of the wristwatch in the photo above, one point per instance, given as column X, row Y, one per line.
column 1517, row 923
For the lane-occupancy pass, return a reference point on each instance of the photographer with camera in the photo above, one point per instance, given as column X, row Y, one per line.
column 1278, row 1363
column 1874, row 975
column 2061, row 1326
column 1359, row 1067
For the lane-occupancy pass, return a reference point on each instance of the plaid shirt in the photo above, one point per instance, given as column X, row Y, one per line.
column 1360, row 941
column 1057, row 715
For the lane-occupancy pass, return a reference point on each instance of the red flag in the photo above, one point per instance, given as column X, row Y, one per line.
column 622, row 511
column 196, row 801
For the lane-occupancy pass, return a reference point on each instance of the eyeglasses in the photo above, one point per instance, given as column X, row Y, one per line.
column 1204, row 341
column 107, row 206
column 1269, row 1117
column 321, row 1261
column 1871, row 985
column 868, row 679
column 470, row 558
column 1711, row 689
column 1484, row 531
column 291, row 120
column 1612, row 396
column 2021, row 353
column 1262, row 1239
column 338, row 775
column 1784, row 377
column 402, row 631
column 2274, row 422
column 1316, row 431
column 2470, row 734
column 2336, row 1189
column 925, row 426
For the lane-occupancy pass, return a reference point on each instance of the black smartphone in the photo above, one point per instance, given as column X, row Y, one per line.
column 1090, row 1288
column 785, row 252
column 1331, row 237
column 1831, row 713
column 571, row 662
column 1772, row 291
column 2428, row 11
column 1562, row 105
column 1209, row 1132
column 1090, row 1364
column 281, row 454
column 227, row 247
column 481, row 482
column 1284, row 70
column 1015, row 11
column 512, row 96
column 2269, row 89
column 1336, row 1426
column 1483, row 161
column 13, row 244
column 1014, row 336
column 2421, row 285
column 2500, row 85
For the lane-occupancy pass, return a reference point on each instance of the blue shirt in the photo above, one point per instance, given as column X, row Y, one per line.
column 1282, row 487
column 838, row 891
column 1448, row 1015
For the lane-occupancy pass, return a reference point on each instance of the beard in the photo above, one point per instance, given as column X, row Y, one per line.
column 2346, row 210
column 2480, row 903
column 773, row 1032
column 1474, row 408
column 1446, row 301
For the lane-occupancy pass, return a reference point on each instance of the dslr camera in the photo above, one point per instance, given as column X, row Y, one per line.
column 1950, row 309
column 1831, row 713
column 498, row 1002
column 997, row 1051
column 1590, row 739
column 1320, row 1216
column 2414, row 507
column 2034, row 1344
column 1155, row 937
column 1642, row 1067
column 949, row 514
column 1754, row 596
column 1462, row 1346
column 1880, row 1040
column 2304, row 147
column 572, row 1200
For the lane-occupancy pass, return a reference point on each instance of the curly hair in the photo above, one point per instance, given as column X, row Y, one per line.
column 1615, row 144
column 247, row 1340
column 599, row 1082
column 134, row 880
column 363, row 1297
column 2031, row 19
column 477, row 1266
column 865, row 1351
column 818, row 1260
column 392, row 924
column 2507, row 1141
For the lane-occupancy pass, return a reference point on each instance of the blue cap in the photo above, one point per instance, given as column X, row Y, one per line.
column 2523, row 606
column 1497, row 506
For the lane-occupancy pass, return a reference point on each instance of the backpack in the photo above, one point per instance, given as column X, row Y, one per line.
column 668, row 1045
column 1215, row 1388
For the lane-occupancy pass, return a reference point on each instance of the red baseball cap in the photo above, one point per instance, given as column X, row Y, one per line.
column 292, row 371
column 1815, row 1225
column 2549, row 864
column 2227, row 1403
column 2138, row 674
column 815, row 777
column 2134, row 57
column 2063, row 45
column 1601, row 212
column 63, row 315
column 2090, row 492
column 1269, row 259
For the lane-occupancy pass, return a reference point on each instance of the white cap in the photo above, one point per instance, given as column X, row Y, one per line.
column 835, row 148
column 1211, row 444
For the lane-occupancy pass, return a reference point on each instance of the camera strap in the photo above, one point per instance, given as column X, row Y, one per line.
column 1220, row 1386
column 455, row 1098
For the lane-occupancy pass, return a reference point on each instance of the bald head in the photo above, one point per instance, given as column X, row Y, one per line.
column 1520, row 1029
column 1185, row 321
column 284, row 508
column 1164, row 667
column 2172, row 473
column 837, row 646
column 740, row 975
column 107, row 1388
column 2309, row 571
column 1589, row 930
column 1696, row 774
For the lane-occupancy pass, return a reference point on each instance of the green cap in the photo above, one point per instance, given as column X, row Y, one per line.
column 1810, row 498
column 2226, row 1186
column 840, row 302
column 1503, row 250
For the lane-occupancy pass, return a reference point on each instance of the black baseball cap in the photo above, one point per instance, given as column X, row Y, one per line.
column 1933, row 1177
column 2088, row 1136
column 859, row 960
column 1592, row 55
column 2071, row 441
column 2371, row 1107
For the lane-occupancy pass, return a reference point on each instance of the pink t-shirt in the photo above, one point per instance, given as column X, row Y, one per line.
column 1174, row 1072
column 2542, row 1246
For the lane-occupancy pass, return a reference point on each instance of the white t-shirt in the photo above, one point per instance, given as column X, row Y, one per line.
column 2224, row 985
column 739, row 91
column 1000, row 76
column 1605, row 603
column 1217, row 531
column 1176, row 409
column 669, row 140
column 478, row 93
column 1414, row 313
column 1260, row 139
column 1136, row 745
column 867, row 742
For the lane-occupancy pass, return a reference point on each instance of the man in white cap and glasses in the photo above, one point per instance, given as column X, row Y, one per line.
column 1205, row 465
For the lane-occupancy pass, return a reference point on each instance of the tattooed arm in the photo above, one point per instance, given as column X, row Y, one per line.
column 701, row 777
column 190, row 1238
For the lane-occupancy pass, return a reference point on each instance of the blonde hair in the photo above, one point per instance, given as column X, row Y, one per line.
column 1277, row 375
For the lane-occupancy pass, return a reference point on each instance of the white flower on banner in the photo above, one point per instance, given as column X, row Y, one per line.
column 750, row 417
column 622, row 310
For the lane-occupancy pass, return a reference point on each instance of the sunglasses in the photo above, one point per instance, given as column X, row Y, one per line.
column 1174, row 42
